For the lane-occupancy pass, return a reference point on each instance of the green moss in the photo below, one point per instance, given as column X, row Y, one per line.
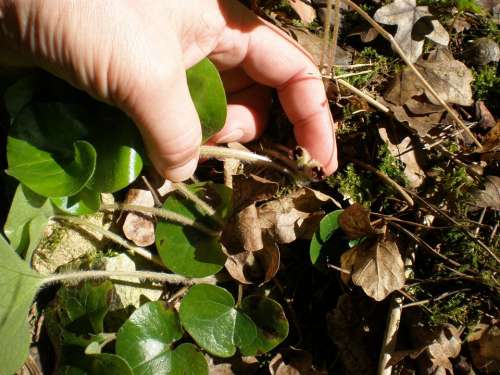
column 486, row 86
column 353, row 185
column 391, row 166
column 461, row 5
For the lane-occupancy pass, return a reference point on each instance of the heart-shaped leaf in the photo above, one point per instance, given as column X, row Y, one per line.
column 83, row 203
column 26, row 207
column 188, row 360
column 18, row 286
column 186, row 250
column 328, row 225
column 272, row 325
column 208, row 314
column 209, row 96
column 146, row 338
column 45, row 150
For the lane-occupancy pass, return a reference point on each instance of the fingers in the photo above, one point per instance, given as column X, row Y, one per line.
column 246, row 115
column 275, row 61
column 164, row 112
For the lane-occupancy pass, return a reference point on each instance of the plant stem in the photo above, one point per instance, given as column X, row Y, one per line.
column 146, row 275
column 163, row 213
column 420, row 77
column 202, row 206
column 335, row 37
column 326, row 37
column 367, row 97
column 113, row 237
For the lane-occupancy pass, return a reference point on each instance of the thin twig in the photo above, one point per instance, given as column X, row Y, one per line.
column 420, row 77
column 113, row 237
column 153, row 191
column 326, row 36
column 367, row 97
column 346, row 75
column 203, row 206
column 161, row 277
column 389, row 181
column 341, row 270
column 353, row 66
column 442, row 296
column 335, row 37
column 163, row 213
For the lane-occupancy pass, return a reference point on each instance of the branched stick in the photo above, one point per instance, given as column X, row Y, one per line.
column 203, row 206
column 113, row 237
column 405, row 58
column 146, row 275
column 364, row 95
column 163, row 213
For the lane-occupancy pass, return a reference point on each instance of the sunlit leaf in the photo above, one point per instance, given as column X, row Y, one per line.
column 18, row 286
column 209, row 97
column 328, row 225
column 83, row 203
column 208, row 314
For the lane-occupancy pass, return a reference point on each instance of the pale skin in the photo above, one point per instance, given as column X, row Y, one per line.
column 134, row 54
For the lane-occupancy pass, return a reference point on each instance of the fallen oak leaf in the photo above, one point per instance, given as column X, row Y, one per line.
column 489, row 197
column 484, row 344
column 306, row 12
column 414, row 23
column 242, row 232
column 376, row 266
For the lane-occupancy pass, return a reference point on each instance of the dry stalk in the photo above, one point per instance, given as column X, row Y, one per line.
column 326, row 37
column 335, row 37
column 405, row 58
column 367, row 97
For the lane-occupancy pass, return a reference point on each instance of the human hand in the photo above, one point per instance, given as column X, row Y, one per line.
column 134, row 54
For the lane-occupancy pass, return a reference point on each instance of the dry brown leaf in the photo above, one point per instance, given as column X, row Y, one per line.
column 294, row 216
column 293, row 362
column 376, row 266
column 242, row 232
column 401, row 146
column 484, row 344
column 355, row 222
column 489, row 197
column 306, row 12
column 251, row 189
column 255, row 267
column 421, row 124
column 414, row 23
column 137, row 227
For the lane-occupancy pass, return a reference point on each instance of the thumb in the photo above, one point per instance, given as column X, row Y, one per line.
column 162, row 108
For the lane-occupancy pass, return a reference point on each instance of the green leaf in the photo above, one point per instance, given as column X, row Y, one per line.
column 119, row 146
column 209, row 96
column 83, row 203
column 83, row 309
column 20, row 94
column 208, row 314
column 185, row 250
column 188, row 360
column 146, row 338
column 45, row 151
column 272, row 325
column 25, row 221
column 98, row 364
column 18, row 287
column 328, row 225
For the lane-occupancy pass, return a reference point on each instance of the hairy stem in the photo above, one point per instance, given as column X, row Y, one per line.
column 202, row 206
column 160, row 277
column 163, row 213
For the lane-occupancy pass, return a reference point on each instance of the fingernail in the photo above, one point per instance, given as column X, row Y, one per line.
column 181, row 173
column 234, row 136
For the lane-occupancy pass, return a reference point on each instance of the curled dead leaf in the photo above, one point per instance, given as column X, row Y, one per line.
column 242, row 232
column 255, row 267
column 489, row 197
column 250, row 189
column 355, row 222
column 293, row 362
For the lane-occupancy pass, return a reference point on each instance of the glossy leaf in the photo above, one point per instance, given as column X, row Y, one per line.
column 146, row 338
column 272, row 325
column 45, row 150
column 328, row 225
column 185, row 250
column 208, row 314
column 209, row 97
column 26, row 206
column 83, row 203
column 18, row 286
column 188, row 360
column 119, row 147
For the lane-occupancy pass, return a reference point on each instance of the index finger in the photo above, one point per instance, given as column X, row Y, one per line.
column 275, row 60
